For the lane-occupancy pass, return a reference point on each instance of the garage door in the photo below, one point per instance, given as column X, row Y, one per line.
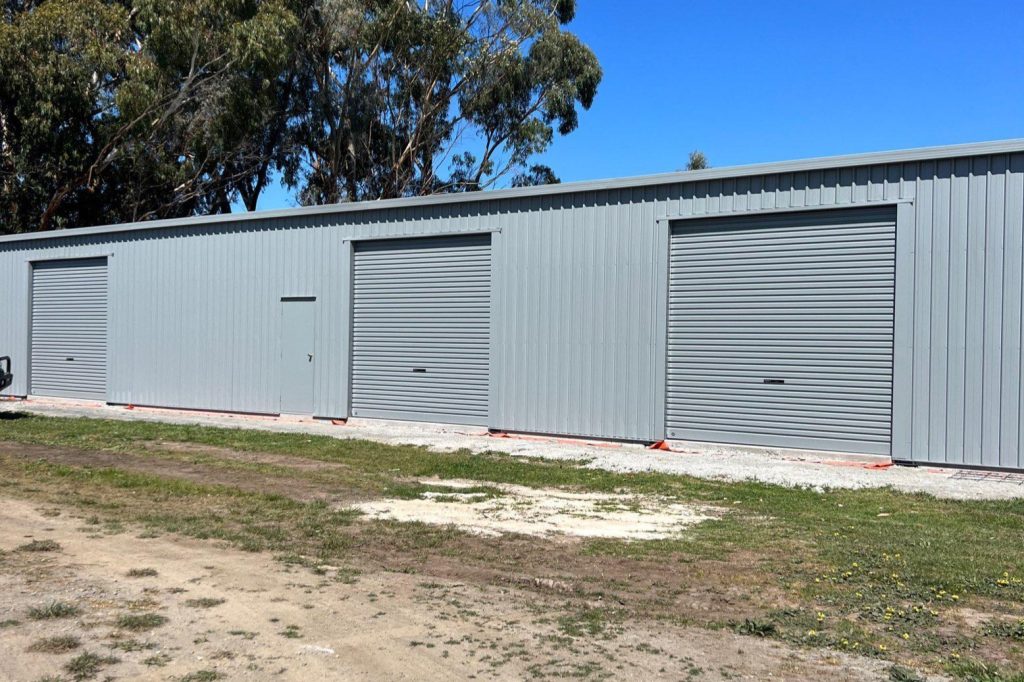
column 421, row 329
column 781, row 330
column 69, row 329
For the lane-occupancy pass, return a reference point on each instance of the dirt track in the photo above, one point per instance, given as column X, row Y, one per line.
column 379, row 625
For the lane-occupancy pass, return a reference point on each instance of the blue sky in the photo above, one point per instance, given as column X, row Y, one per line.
column 749, row 82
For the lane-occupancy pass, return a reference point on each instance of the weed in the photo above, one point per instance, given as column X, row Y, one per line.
column 754, row 627
column 897, row 673
column 40, row 546
column 53, row 610
column 158, row 661
column 141, row 573
column 291, row 632
column 87, row 665
column 9, row 623
column 244, row 634
column 140, row 622
column 55, row 645
column 1004, row 629
column 204, row 603
column 202, row 676
column 586, row 622
column 130, row 645
column 976, row 671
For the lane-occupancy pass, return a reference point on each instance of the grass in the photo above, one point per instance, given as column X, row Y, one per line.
column 87, row 665
column 53, row 610
column 158, row 661
column 204, row 603
column 55, row 645
column 40, row 546
column 130, row 645
column 202, row 676
column 870, row 571
column 292, row 632
column 140, row 622
column 142, row 573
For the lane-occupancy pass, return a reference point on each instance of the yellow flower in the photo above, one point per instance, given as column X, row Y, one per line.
column 882, row 647
column 812, row 633
column 905, row 635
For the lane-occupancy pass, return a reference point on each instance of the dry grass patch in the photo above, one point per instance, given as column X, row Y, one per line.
column 40, row 546
column 204, row 603
column 53, row 610
column 87, row 665
column 55, row 645
column 142, row 573
column 140, row 622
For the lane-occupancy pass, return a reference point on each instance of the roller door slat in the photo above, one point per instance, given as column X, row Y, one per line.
column 780, row 330
column 69, row 329
column 421, row 329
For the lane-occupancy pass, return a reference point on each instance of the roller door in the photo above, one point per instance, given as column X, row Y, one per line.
column 69, row 329
column 421, row 329
column 780, row 330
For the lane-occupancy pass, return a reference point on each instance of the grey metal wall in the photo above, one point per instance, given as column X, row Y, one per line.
column 579, row 302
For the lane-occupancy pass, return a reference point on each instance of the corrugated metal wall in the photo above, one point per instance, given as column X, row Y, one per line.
column 580, row 286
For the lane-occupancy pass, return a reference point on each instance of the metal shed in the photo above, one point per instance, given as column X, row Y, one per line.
column 867, row 304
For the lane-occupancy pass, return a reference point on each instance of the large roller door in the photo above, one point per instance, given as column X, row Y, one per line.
column 421, row 329
column 69, row 329
column 781, row 330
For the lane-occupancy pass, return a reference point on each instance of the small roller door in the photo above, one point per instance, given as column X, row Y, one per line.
column 69, row 329
column 781, row 330
column 421, row 329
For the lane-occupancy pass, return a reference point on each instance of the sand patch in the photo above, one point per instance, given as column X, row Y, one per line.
column 542, row 512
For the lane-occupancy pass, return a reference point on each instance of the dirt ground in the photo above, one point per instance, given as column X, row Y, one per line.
column 281, row 622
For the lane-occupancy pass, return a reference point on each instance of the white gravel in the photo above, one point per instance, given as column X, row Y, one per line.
column 820, row 471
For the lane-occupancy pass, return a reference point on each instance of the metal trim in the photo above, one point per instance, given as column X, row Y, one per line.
column 788, row 209
column 452, row 233
column 88, row 255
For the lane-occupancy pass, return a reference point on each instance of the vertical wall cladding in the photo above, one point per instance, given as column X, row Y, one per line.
column 962, row 396
column 575, row 333
column 194, row 314
column 579, row 295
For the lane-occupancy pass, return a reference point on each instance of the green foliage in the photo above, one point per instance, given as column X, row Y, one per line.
column 141, row 109
column 140, row 622
column 697, row 161
column 52, row 610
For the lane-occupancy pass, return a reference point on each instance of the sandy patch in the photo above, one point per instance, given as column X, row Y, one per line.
column 541, row 512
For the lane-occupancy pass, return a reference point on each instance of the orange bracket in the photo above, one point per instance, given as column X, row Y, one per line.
column 339, row 422
column 660, row 445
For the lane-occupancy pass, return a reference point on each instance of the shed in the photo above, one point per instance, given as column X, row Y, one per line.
column 859, row 304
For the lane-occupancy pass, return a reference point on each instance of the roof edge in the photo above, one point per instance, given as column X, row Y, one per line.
column 817, row 163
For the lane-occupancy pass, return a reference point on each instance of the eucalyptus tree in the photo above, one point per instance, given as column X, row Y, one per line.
column 410, row 98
